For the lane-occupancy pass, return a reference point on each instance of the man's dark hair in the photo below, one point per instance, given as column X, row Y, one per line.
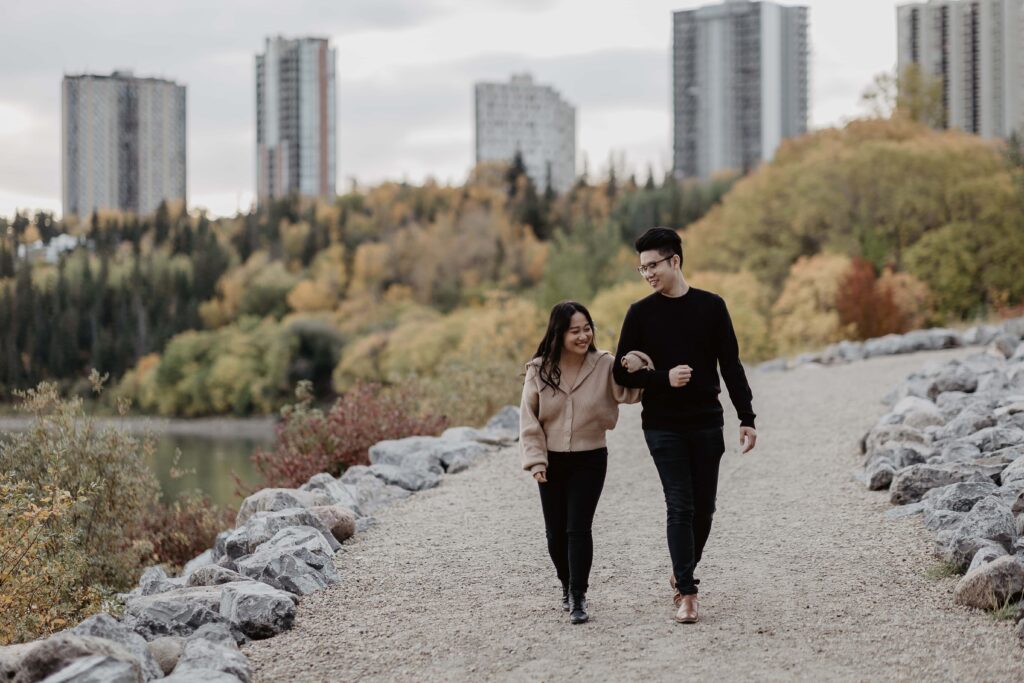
column 665, row 240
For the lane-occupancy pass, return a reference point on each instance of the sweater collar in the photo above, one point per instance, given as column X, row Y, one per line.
column 589, row 363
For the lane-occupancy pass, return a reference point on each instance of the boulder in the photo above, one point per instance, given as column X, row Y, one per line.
column 272, row 500
column 297, row 559
column 201, row 676
column 339, row 493
column 262, row 526
column 109, row 628
column 901, row 454
column 213, row 575
column 980, row 335
column 408, row 479
column 953, row 378
column 42, row 658
column 201, row 655
column 372, row 493
column 258, row 610
column 488, row 437
column 991, row 585
column 420, row 453
column 166, row 651
column 879, row 474
column 155, row 580
column 204, row 559
column 967, row 423
column 899, row 434
column 1004, row 344
column 918, row 412
column 937, row 520
column 911, row 483
column 506, row 418
column 338, row 518
column 889, row 345
column 959, row 451
column 990, row 519
column 175, row 613
column 959, row 497
column 1013, row 474
column 985, row 555
column 96, row 669
column 993, row 439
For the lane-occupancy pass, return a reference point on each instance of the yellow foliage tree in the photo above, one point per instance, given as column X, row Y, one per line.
column 805, row 316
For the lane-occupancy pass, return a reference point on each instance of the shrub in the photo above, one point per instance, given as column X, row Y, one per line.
column 309, row 441
column 185, row 528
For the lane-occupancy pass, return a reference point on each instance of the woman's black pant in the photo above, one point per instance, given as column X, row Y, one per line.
column 569, row 499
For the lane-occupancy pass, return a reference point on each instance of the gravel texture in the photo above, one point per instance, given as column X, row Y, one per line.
column 802, row 579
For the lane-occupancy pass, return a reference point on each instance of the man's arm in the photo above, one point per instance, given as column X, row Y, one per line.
column 629, row 340
column 732, row 369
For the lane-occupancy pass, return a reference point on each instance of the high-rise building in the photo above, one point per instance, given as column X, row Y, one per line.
column 295, row 119
column 532, row 120
column 739, row 84
column 123, row 143
column 975, row 48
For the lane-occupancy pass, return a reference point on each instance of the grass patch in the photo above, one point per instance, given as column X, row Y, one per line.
column 941, row 570
column 1008, row 612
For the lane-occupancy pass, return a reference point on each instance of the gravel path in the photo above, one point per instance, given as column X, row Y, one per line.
column 803, row 578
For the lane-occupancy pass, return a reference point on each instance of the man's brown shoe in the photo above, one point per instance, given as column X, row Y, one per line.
column 687, row 612
column 676, row 595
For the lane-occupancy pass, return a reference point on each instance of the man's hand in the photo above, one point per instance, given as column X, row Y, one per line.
column 541, row 476
column 748, row 439
column 680, row 375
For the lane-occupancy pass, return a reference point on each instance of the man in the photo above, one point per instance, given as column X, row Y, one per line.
column 688, row 334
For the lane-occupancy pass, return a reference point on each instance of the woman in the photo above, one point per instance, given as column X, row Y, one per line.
column 569, row 401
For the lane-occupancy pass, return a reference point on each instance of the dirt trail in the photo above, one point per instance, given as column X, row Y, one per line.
column 803, row 578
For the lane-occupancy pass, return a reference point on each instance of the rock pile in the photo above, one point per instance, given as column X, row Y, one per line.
column 951, row 449
column 933, row 339
column 188, row 628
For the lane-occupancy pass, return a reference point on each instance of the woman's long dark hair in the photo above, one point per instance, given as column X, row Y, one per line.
column 550, row 349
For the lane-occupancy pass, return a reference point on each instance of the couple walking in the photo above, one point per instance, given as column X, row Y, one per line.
column 671, row 347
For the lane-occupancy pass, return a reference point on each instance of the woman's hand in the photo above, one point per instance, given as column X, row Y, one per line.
column 541, row 476
column 631, row 362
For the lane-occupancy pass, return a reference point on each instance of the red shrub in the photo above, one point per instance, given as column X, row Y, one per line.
column 309, row 442
column 185, row 528
column 870, row 309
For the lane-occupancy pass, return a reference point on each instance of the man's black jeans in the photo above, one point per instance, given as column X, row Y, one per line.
column 687, row 463
column 569, row 499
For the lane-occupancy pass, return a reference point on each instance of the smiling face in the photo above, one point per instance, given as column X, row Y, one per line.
column 578, row 337
column 659, row 271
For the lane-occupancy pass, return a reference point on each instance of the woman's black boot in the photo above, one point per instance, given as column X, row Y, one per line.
column 565, row 597
column 577, row 607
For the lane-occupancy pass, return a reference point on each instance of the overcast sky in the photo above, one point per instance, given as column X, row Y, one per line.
column 405, row 75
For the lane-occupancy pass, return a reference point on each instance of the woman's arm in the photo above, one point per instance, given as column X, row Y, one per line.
column 633, row 361
column 532, row 440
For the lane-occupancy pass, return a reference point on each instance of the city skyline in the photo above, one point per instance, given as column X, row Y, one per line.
column 405, row 75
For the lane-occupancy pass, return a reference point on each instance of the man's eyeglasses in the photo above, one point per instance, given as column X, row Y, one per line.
column 647, row 267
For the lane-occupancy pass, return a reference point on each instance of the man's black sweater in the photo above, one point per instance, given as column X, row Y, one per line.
column 693, row 329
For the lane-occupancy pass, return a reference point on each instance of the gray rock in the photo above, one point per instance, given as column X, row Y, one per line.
column 774, row 365
column 959, row 451
column 462, row 451
column 903, row 511
column 967, row 423
column 42, row 658
column 980, row 335
column 218, row 553
column 272, row 500
column 297, row 559
column 96, row 669
column 1013, row 474
column 364, row 523
column 204, row 559
column 167, row 651
column 409, row 479
column 933, row 339
column 155, row 580
column 212, row 575
column 986, row 555
column 992, row 439
column 991, row 585
column 990, row 519
column 879, row 474
column 372, row 493
column 206, row 655
column 918, row 412
column 1005, row 344
column 900, row 434
column 960, row 497
column 955, row 378
column 262, row 526
column 339, row 493
column 911, row 483
column 901, row 454
column 938, row 520
column 201, row 676
column 411, row 453
column 1014, row 326
column 106, row 626
column 506, row 418
column 488, row 437
column 889, row 345
column 338, row 518
column 258, row 610
column 175, row 613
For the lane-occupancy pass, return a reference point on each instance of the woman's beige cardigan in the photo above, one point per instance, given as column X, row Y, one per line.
column 574, row 418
